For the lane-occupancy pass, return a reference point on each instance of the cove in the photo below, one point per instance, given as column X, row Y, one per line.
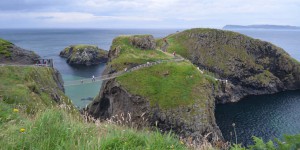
column 266, row 116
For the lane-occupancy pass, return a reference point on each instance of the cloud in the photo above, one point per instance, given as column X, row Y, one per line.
column 151, row 13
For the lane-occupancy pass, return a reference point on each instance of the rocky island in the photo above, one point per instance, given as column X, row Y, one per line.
column 219, row 67
column 251, row 66
column 84, row 55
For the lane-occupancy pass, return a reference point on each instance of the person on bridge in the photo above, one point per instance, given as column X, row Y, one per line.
column 93, row 79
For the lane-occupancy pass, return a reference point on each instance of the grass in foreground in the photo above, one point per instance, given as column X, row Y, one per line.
column 54, row 128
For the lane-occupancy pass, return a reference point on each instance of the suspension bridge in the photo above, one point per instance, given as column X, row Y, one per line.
column 117, row 74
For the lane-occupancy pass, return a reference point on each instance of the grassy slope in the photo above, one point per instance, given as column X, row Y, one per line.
column 30, row 86
column 131, row 55
column 168, row 84
column 4, row 46
column 48, row 126
column 216, row 52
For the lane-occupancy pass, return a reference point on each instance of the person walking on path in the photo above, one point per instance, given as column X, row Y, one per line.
column 174, row 53
column 93, row 79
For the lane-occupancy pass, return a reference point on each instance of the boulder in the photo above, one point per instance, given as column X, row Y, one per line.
column 144, row 42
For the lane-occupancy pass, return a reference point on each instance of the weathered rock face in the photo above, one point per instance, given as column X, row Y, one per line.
column 251, row 66
column 84, row 55
column 144, row 42
column 12, row 54
column 186, row 121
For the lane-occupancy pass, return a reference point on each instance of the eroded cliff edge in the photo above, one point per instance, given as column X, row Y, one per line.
column 251, row 66
column 170, row 95
column 178, row 96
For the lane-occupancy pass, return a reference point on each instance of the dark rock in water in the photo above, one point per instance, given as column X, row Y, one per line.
column 12, row 54
column 84, row 55
column 145, row 42
column 87, row 99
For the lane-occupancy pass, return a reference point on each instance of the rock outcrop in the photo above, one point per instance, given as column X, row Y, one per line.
column 161, row 102
column 251, row 66
column 84, row 55
column 12, row 54
column 144, row 42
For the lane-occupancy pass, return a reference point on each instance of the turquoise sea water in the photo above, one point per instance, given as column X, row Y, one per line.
column 265, row 116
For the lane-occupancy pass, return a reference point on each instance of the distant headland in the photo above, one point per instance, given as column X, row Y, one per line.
column 276, row 27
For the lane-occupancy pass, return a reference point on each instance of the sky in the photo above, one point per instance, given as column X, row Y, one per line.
column 146, row 13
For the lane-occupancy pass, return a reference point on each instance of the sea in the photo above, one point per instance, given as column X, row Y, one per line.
column 266, row 116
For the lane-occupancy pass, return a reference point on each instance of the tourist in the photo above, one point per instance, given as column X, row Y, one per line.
column 93, row 79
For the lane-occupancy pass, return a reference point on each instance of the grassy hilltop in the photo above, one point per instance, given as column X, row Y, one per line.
column 163, row 83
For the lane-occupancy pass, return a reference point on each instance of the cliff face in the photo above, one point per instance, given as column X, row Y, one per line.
column 12, row 54
column 251, row 66
column 34, row 87
column 84, row 55
column 172, row 95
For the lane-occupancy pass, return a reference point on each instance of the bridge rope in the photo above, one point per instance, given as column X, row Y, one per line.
column 117, row 74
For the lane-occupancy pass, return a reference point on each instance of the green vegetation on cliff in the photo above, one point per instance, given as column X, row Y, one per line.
column 168, row 84
column 4, row 45
column 35, row 114
column 220, row 49
column 128, row 54
column 35, row 87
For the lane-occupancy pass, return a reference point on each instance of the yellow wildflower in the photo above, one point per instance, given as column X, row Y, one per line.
column 22, row 130
column 181, row 142
column 16, row 110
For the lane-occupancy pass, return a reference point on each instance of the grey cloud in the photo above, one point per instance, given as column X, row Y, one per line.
column 32, row 5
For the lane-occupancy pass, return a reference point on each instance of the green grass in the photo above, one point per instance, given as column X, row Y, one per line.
column 290, row 142
column 131, row 55
column 54, row 128
column 169, row 84
column 48, row 126
column 82, row 47
column 32, row 86
column 4, row 45
column 219, row 49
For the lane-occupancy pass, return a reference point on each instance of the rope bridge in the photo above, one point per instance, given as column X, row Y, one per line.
column 114, row 75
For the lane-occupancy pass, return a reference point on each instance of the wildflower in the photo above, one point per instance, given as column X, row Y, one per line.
column 181, row 142
column 16, row 110
column 22, row 130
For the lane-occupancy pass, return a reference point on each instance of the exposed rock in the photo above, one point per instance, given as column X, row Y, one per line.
column 144, row 42
column 12, row 54
column 186, row 121
column 252, row 66
column 84, row 55
column 194, row 120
